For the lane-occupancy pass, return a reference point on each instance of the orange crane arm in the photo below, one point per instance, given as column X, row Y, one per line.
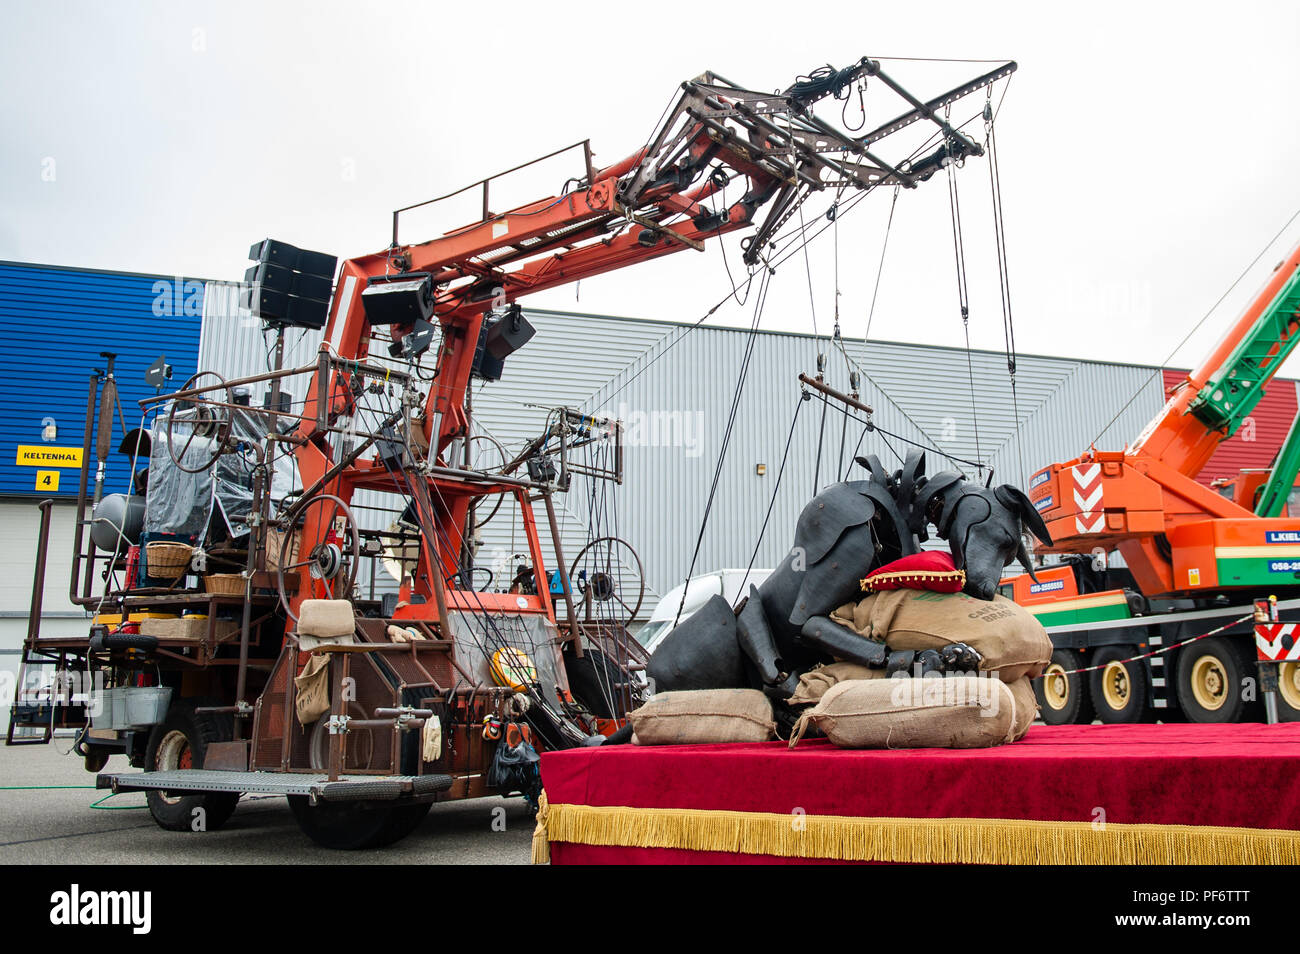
column 1177, row 535
column 1181, row 439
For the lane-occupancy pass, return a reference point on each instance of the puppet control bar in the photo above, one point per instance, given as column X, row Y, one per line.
column 798, row 154
column 819, row 385
column 773, row 139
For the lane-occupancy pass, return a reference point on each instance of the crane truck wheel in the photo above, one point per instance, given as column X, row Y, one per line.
column 350, row 826
column 1288, row 692
column 1210, row 681
column 178, row 742
column 1118, row 688
column 1063, row 698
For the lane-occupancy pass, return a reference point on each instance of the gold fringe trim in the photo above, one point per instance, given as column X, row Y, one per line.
column 541, row 842
column 994, row 841
column 870, row 583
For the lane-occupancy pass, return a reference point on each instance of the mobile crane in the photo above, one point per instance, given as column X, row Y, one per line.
column 1195, row 558
column 423, row 689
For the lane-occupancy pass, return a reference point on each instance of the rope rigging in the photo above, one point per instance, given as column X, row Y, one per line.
column 727, row 432
column 785, row 455
column 815, row 84
column 963, row 296
column 1004, row 281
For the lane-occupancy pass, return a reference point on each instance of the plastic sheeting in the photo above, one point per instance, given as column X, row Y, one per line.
column 182, row 503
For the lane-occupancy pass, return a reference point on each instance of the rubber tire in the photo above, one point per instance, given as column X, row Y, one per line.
column 1286, row 712
column 1136, row 707
column 1078, row 704
column 1234, row 708
column 199, row 730
column 352, row 826
column 405, row 820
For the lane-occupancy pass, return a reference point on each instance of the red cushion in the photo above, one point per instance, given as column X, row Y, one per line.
column 929, row 570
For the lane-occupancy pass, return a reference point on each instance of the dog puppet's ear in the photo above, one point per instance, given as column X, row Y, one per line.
column 1013, row 498
column 1022, row 554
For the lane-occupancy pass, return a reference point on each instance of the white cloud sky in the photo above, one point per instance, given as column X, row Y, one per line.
column 1148, row 150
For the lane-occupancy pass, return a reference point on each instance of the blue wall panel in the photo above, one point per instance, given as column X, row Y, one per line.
column 54, row 322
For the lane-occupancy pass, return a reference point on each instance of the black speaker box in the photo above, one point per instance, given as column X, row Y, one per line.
column 399, row 302
column 284, row 309
column 507, row 334
column 295, row 259
column 299, row 284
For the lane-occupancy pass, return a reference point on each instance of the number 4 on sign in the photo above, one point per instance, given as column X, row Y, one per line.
column 47, row 480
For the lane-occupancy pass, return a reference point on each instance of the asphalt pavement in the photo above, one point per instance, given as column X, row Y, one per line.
column 48, row 817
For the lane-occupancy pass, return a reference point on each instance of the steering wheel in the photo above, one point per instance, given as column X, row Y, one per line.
column 206, row 420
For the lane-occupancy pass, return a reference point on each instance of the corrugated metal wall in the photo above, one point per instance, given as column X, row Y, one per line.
column 673, row 388
column 232, row 342
column 680, row 388
column 54, row 323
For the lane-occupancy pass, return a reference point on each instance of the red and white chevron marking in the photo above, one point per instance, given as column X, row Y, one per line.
column 1087, row 497
column 1277, row 642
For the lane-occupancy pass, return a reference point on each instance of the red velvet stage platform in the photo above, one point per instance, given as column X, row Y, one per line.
column 1141, row 794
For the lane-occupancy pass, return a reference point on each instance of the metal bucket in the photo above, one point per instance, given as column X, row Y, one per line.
column 145, row 705
column 112, row 710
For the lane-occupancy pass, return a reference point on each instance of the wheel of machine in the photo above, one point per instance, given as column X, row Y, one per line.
column 179, row 743
column 405, row 819
column 1210, row 673
column 607, row 574
column 360, row 748
column 350, row 826
column 1288, row 692
column 1118, row 689
column 201, row 419
column 487, row 455
column 332, row 554
column 1063, row 699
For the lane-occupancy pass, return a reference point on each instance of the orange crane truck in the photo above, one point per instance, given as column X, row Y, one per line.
column 1197, row 620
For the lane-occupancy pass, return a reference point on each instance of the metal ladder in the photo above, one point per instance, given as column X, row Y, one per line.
column 29, row 647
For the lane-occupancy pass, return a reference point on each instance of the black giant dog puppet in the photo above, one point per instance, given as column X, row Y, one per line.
column 782, row 628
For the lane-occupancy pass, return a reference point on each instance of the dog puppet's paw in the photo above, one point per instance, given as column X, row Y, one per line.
column 959, row 657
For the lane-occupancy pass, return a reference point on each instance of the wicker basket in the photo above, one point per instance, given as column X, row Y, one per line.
column 224, row 584
column 168, row 561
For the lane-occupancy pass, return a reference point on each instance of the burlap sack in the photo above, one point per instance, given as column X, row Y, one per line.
column 1026, row 705
column 312, row 699
column 703, row 716
column 1012, row 642
column 814, row 683
column 857, row 617
column 188, row 627
column 956, row 712
column 326, row 619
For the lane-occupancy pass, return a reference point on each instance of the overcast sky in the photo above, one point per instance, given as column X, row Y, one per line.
column 1148, row 151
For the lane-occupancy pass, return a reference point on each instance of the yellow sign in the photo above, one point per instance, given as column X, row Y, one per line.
column 47, row 480
column 36, row 455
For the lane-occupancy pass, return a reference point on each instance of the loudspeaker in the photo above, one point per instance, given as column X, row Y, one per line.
column 285, row 309
column 294, row 259
column 485, row 366
column 288, row 285
column 402, row 301
column 299, row 284
column 508, row 333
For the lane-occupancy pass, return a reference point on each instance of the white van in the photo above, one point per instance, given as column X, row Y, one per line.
column 699, row 590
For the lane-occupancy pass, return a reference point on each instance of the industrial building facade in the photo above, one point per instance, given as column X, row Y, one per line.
column 671, row 385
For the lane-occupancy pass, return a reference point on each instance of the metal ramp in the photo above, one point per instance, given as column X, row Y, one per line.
column 317, row 787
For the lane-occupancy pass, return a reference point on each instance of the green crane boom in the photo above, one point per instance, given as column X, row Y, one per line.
column 1234, row 390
